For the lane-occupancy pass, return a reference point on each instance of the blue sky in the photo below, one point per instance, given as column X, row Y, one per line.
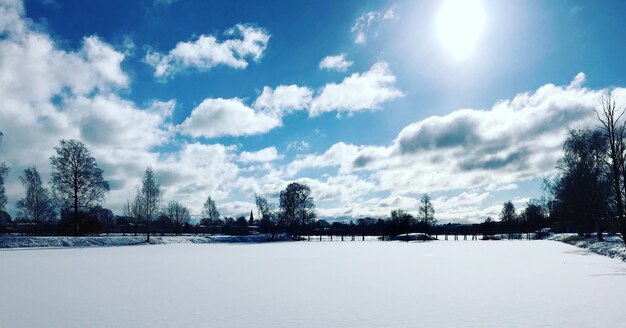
column 368, row 102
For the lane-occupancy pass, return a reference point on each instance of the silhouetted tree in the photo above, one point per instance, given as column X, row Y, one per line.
column 77, row 180
column 4, row 171
column 177, row 213
column 297, row 207
column 400, row 222
column 151, row 198
column 615, row 132
column 582, row 189
column 210, row 212
column 36, row 204
column 134, row 211
column 534, row 215
column 105, row 216
column 508, row 216
column 426, row 213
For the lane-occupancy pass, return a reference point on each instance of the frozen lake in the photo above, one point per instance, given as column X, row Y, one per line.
column 349, row 284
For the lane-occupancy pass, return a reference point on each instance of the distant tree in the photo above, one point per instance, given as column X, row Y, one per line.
column 508, row 215
column 104, row 216
column 264, row 208
column 426, row 213
column 210, row 212
column 151, row 199
column 4, row 171
column 251, row 219
column 134, row 210
column 36, row 204
column 242, row 222
column 297, row 207
column 77, row 181
column 534, row 215
column 400, row 222
column 177, row 213
column 610, row 117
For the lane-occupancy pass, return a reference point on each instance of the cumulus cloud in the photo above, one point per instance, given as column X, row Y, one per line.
column 243, row 42
column 48, row 93
column 217, row 117
column 338, row 63
column 476, row 149
column 358, row 92
column 283, row 99
column 227, row 117
column 268, row 154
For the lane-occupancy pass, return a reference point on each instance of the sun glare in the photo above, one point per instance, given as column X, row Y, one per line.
column 460, row 24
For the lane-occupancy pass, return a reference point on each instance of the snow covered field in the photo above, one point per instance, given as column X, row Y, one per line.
column 301, row 284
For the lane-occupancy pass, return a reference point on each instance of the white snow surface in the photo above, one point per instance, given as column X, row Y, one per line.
column 306, row 284
column 104, row 240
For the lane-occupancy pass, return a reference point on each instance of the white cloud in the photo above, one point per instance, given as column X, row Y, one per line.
column 338, row 63
column 227, row 117
column 359, row 91
column 298, row 145
column 207, row 51
column 371, row 21
column 283, row 99
column 268, row 154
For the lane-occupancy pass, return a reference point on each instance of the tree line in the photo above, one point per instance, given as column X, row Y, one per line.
column 586, row 195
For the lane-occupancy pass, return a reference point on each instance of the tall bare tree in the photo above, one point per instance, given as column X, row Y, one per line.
column 264, row 208
column 151, row 197
column 209, row 211
column 36, row 204
column 177, row 213
column 4, row 171
column 610, row 118
column 426, row 212
column 134, row 210
column 77, row 181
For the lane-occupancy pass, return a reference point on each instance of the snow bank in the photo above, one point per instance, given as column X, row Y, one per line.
column 95, row 241
column 612, row 246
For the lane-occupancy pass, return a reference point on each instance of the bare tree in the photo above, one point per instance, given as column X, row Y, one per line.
column 36, row 204
column 209, row 211
column 4, row 171
column 151, row 197
column 297, row 207
column 426, row 213
column 610, row 118
column 77, row 180
column 177, row 213
column 264, row 208
column 134, row 210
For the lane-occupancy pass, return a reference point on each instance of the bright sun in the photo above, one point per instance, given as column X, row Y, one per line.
column 460, row 23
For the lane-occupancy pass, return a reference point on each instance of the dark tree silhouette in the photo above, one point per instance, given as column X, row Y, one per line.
column 134, row 210
column 534, row 215
column 178, row 215
column 36, row 204
column 210, row 212
column 4, row 171
column 426, row 212
column 297, row 208
column 151, row 199
column 507, row 215
column 77, row 180
column 582, row 190
column 615, row 132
